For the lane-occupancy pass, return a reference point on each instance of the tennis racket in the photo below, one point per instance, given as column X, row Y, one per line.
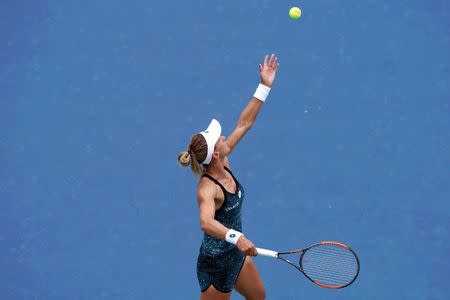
column 330, row 265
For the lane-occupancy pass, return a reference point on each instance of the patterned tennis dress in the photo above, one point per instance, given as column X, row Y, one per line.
column 220, row 262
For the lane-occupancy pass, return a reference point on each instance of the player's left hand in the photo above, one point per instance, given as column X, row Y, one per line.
column 268, row 71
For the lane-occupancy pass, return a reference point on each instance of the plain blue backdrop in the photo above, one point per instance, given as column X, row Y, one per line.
column 97, row 98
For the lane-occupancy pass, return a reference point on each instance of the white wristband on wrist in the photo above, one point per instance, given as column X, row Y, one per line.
column 262, row 92
column 233, row 236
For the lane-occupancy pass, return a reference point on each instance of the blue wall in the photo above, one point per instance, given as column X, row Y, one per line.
column 97, row 98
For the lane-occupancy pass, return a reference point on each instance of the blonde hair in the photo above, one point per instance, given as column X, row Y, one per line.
column 195, row 155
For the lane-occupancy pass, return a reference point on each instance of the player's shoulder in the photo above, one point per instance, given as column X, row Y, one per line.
column 206, row 186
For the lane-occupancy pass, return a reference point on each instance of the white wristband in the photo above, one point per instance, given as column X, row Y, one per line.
column 262, row 92
column 233, row 236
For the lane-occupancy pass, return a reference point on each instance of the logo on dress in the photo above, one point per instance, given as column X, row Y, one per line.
column 232, row 207
column 239, row 194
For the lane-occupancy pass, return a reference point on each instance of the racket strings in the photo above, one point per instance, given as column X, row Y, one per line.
column 330, row 264
column 328, row 270
column 334, row 271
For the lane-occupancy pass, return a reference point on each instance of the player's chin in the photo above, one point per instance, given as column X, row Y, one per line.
column 227, row 151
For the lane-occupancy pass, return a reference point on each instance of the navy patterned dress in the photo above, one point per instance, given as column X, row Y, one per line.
column 220, row 262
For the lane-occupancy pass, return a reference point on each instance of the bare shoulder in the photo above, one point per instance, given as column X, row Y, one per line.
column 206, row 189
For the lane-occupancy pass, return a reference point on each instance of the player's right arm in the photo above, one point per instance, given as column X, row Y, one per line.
column 206, row 195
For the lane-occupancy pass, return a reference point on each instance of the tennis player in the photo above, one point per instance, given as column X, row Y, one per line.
column 223, row 262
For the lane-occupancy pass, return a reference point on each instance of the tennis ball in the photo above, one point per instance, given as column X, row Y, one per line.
column 295, row 12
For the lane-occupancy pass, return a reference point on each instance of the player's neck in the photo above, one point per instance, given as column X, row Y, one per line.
column 216, row 169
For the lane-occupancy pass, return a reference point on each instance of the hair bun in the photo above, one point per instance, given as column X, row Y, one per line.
column 184, row 158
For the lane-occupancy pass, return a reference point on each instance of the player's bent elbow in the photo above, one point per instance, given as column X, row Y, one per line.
column 246, row 125
column 204, row 225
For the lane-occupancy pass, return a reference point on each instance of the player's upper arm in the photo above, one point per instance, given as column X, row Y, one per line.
column 207, row 206
column 237, row 134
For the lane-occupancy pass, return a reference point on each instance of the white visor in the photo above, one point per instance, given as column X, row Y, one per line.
column 211, row 135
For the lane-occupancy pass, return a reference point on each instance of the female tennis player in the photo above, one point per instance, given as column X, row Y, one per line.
column 223, row 262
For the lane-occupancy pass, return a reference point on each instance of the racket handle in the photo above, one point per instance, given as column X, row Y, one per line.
column 265, row 252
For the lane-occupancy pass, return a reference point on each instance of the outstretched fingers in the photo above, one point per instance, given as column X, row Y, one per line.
column 270, row 63
column 276, row 64
column 272, row 60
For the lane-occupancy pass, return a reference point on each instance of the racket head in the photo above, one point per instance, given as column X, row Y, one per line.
column 330, row 264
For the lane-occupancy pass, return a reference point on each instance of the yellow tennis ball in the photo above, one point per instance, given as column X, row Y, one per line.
column 295, row 12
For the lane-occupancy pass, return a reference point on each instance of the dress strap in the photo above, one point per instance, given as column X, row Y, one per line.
column 234, row 178
column 216, row 182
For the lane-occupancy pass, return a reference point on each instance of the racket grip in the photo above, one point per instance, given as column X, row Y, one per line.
column 265, row 252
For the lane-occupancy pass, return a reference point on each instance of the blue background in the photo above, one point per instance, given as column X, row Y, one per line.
column 99, row 97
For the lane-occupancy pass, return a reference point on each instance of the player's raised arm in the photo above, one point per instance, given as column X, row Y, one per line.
column 267, row 71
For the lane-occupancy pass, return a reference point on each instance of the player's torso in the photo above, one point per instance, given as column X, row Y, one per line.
column 228, row 213
column 230, row 186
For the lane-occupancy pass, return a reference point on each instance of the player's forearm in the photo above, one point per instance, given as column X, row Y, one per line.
column 215, row 229
column 249, row 114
